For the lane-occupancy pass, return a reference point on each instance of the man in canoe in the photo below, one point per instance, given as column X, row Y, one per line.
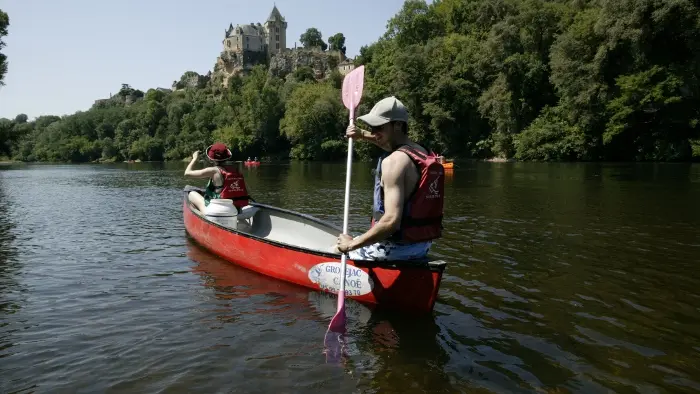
column 225, row 182
column 408, row 190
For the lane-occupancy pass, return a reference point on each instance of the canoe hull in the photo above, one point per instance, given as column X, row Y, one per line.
column 406, row 286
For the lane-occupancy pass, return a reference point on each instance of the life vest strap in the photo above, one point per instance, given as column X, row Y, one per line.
column 240, row 198
column 408, row 221
column 418, row 222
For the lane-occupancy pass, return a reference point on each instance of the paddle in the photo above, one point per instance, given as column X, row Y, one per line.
column 352, row 94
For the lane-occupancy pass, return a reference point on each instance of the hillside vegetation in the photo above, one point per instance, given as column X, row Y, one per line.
column 523, row 79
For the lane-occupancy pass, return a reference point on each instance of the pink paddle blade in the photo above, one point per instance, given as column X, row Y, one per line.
column 338, row 322
column 353, row 84
column 333, row 340
column 334, row 350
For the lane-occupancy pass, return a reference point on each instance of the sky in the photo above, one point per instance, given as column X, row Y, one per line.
column 65, row 54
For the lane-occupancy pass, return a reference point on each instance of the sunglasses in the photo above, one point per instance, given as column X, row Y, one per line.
column 376, row 129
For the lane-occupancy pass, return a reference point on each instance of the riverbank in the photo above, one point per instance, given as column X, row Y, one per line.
column 6, row 160
column 277, row 159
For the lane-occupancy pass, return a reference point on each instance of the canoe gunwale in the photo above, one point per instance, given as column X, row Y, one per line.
column 426, row 264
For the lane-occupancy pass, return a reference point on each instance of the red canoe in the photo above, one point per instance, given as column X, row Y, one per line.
column 298, row 248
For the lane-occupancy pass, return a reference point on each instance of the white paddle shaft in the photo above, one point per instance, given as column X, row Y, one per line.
column 346, row 210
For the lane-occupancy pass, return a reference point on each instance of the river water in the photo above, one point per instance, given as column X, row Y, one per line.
column 561, row 278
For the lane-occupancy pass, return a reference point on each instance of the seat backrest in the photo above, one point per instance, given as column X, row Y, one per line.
column 248, row 212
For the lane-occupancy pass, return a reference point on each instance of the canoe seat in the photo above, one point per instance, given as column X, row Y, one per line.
column 247, row 212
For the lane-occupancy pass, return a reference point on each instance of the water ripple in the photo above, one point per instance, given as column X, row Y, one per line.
column 561, row 278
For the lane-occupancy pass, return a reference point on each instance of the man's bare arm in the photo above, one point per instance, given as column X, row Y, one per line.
column 368, row 136
column 393, row 170
column 361, row 134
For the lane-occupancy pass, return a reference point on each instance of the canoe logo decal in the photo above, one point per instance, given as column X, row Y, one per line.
column 327, row 277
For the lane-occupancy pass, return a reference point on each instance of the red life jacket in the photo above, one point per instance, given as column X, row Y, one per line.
column 234, row 187
column 422, row 213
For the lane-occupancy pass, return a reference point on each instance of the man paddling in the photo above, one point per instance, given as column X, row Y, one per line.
column 408, row 190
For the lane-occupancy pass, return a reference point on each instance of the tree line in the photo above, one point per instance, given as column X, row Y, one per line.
column 546, row 80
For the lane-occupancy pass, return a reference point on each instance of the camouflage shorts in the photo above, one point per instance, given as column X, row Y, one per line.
column 386, row 250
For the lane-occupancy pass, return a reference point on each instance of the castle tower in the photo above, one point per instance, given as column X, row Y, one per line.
column 276, row 28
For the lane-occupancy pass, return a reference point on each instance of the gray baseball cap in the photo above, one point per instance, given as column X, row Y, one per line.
column 386, row 110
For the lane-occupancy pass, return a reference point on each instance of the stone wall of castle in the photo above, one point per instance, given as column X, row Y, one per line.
column 237, row 43
column 232, row 63
column 277, row 38
column 286, row 63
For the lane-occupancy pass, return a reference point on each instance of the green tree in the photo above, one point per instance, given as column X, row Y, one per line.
column 21, row 118
column 415, row 23
column 312, row 37
column 530, row 79
column 313, row 120
column 6, row 133
column 304, row 73
column 4, row 24
column 337, row 42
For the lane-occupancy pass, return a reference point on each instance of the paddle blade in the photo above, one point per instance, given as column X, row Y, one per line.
column 333, row 347
column 352, row 87
column 333, row 339
column 338, row 322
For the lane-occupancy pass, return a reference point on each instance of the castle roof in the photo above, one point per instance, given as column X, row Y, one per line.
column 246, row 30
column 275, row 15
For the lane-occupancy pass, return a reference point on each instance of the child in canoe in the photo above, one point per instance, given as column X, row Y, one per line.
column 224, row 182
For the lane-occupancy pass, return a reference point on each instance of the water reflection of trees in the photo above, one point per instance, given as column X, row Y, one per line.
column 385, row 350
column 549, row 259
column 9, row 268
column 402, row 353
column 9, row 265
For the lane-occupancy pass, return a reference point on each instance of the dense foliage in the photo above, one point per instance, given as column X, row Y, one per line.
column 4, row 24
column 524, row 79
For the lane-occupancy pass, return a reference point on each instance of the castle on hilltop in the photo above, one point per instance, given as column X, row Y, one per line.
column 269, row 38
column 247, row 45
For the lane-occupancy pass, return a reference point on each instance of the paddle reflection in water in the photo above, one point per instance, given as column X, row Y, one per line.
column 232, row 282
column 270, row 330
column 382, row 350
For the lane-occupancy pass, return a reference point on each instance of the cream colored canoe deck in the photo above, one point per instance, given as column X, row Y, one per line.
column 278, row 225
column 301, row 231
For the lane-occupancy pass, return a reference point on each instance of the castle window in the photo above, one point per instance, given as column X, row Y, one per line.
column 277, row 37
column 278, row 45
column 277, row 29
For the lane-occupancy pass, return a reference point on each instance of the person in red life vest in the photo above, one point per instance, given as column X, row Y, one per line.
column 225, row 182
column 408, row 190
